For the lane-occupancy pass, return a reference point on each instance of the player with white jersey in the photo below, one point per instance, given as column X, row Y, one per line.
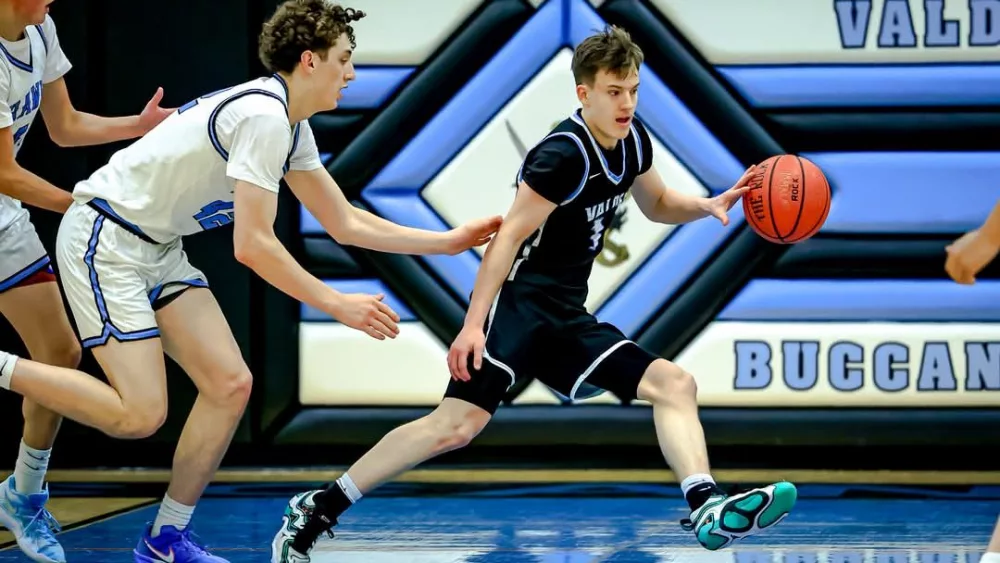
column 32, row 66
column 218, row 160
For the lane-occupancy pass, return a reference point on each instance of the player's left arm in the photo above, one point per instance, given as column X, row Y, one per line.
column 313, row 185
column 70, row 127
column 968, row 255
column 662, row 204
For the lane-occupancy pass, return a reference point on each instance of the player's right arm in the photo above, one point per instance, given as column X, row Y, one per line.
column 22, row 185
column 15, row 181
column 551, row 173
column 258, row 150
column 968, row 255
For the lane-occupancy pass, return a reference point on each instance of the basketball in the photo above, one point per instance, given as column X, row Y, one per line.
column 788, row 200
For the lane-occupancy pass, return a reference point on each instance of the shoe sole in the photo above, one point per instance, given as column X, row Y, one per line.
column 783, row 498
column 783, row 501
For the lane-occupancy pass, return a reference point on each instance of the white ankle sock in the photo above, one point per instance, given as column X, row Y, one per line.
column 29, row 472
column 351, row 490
column 991, row 557
column 693, row 480
column 172, row 513
column 7, row 362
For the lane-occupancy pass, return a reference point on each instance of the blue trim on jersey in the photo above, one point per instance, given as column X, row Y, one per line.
column 284, row 85
column 213, row 136
column 104, row 207
column 25, row 273
column 586, row 163
column 109, row 329
column 155, row 293
column 775, row 300
column 25, row 66
column 614, row 178
column 45, row 42
column 295, row 145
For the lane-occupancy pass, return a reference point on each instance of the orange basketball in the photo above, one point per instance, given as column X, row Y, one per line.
column 788, row 200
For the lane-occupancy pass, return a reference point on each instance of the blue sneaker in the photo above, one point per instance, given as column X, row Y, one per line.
column 725, row 519
column 32, row 525
column 172, row 546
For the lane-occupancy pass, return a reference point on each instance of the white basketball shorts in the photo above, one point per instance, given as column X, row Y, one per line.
column 114, row 277
column 21, row 253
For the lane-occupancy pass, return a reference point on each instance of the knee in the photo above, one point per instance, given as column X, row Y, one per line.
column 61, row 352
column 139, row 422
column 454, row 430
column 665, row 382
column 231, row 388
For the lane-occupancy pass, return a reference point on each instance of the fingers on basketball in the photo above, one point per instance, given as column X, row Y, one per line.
column 788, row 199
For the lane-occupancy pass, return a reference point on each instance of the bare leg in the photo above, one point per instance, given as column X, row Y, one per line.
column 716, row 519
column 673, row 394
column 197, row 336
column 451, row 426
column 134, row 408
column 993, row 549
column 37, row 314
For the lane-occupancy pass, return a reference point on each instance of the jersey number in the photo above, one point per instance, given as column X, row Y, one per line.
column 215, row 214
column 195, row 101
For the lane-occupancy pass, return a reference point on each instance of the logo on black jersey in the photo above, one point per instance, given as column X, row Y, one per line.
column 613, row 253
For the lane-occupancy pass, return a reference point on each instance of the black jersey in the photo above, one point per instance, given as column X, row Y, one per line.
column 588, row 183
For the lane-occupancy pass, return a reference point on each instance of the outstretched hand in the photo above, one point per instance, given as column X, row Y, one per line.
column 153, row 114
column 968, row 255
column 719, row 205
column 472, row 234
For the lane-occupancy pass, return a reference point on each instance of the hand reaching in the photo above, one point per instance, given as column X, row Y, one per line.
column 368, row 314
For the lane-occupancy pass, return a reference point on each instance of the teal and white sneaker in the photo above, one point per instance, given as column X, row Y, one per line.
column 725, row 519
column 300, row 510
column 32, row 525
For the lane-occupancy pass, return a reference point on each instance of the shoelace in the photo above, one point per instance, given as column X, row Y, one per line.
column 190, row 539
column 44, row 518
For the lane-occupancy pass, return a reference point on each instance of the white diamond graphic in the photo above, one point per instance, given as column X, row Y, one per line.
column 480, row 179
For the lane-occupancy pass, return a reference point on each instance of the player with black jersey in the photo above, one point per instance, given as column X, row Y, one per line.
column 527, row 315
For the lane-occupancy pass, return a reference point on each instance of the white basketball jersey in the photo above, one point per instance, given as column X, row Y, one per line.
column 179, row 179
column 25, row 66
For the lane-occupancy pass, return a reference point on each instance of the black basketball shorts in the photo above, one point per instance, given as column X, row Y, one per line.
column 531, row 333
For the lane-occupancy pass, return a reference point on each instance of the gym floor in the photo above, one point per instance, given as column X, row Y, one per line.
column 487, row 516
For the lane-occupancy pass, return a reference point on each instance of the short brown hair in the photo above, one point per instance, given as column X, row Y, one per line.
column 304, row 25
column 612, row 50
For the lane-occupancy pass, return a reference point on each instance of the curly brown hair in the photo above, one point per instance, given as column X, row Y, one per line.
column 304, row 25
column 612, row 50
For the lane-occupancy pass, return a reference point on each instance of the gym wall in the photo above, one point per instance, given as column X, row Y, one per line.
column 855, row 337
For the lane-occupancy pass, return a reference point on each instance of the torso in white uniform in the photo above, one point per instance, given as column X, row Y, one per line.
column 25, row 66
column 179, row 178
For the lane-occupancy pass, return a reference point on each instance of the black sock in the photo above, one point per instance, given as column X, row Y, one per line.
column 330, row 504
column 333, row 501
column 699, row 494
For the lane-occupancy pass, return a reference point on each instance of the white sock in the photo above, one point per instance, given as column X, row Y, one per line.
column 351, row 490
column 692, row 481
column 991, row 557
column 29, row 472
column 172, row 513
column 7, row 362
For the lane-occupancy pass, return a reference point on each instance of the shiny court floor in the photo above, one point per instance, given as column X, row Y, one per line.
column 559, row 524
